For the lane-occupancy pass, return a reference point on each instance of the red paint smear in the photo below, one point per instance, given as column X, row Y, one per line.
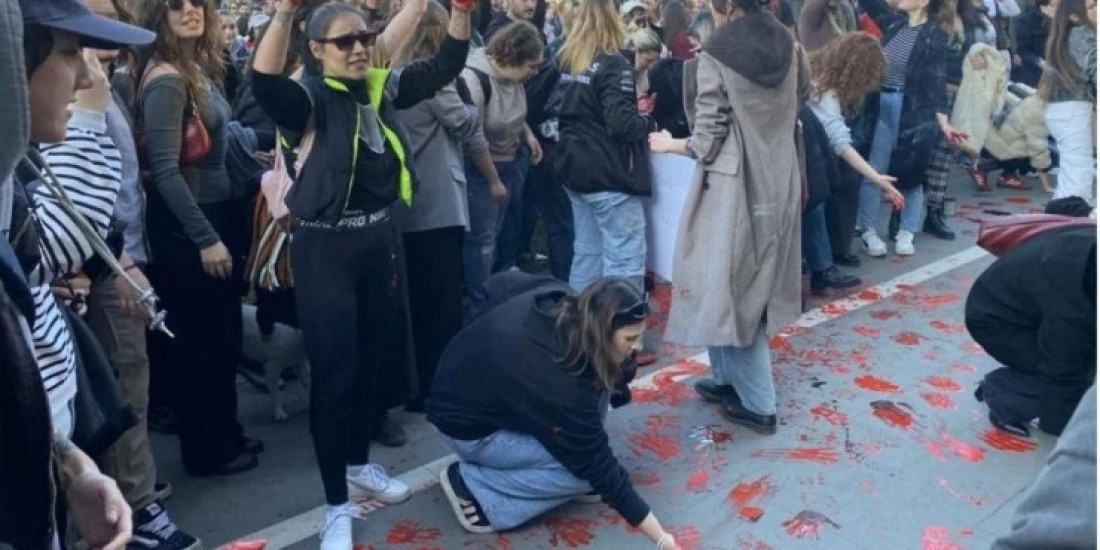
column 570, row 532
column 872, row 383
column 665, row 390
column 410, row 532
column 832, row 309
column 926, row 301
column 884, row 314
column 870, row 332
column 937, row 538
column 750, row 513
column 943, row 383
column 939, row 400
column 964, row 368
column 907, row 338
column 689, row 366
column 745, row 492
column 892, row 414
column 697, row 482
column 870, row 295
column 1005, row 441
column 963, row 450
column 646, row 478
column 947, row 328
column 663, row 447
column 780, row 344
column 973, row 348
column 658, row 422
column 832, row 416
column 752, row 543
column 820, row 455
column 807, row 523
column 687, row 537
column 662, row 295
column 1018, row 200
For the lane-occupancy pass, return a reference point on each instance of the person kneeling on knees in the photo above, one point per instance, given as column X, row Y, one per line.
column 522, row 393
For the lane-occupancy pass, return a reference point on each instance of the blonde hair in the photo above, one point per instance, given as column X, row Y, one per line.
column 596, row 30
column 643, row 40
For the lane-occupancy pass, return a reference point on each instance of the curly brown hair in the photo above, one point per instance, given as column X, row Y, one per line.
column 850, row 65
column 196, row 63
column 515, row 45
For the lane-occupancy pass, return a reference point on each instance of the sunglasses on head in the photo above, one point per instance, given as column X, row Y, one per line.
column 177, row 5
column 632, row 314
column 347, row 41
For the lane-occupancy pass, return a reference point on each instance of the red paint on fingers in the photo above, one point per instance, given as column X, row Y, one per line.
column 687, row 537
column 872, row 383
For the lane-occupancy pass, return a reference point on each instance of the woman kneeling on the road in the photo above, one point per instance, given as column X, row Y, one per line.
column 522, row 393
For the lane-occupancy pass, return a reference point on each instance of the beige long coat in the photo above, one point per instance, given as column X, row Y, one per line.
column 738, row 253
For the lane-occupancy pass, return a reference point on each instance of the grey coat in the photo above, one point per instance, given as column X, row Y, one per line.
column 738, row 253
column 440, row 131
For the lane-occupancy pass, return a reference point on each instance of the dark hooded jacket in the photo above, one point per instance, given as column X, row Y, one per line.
column 602, row 144
column 925, row 96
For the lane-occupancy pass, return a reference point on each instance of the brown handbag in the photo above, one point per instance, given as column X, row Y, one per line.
column 1000, row 235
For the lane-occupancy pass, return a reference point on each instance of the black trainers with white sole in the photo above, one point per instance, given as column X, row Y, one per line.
column 154, row 530
column 466, row 508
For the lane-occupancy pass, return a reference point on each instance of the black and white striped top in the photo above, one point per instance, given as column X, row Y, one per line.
column 88, row 167
column 897, row 52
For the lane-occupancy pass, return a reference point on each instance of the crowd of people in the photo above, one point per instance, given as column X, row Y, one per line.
column 376, row 173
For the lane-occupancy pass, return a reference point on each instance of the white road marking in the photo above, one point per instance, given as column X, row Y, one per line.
column 298, row 528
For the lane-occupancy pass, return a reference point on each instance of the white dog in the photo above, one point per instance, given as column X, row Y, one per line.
column 281, row 350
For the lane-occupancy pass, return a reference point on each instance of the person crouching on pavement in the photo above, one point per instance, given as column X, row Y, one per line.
column 1034, row 311
column 521, row 395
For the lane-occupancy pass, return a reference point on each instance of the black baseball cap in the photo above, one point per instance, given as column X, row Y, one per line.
column 93, row 30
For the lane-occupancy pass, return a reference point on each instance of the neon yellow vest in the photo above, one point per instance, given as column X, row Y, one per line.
column 376, row 87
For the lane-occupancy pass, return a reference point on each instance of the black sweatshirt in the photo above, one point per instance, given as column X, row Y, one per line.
column 320, row 192
column 500, row 373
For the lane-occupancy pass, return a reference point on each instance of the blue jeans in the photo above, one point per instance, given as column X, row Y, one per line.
column 610, row 230
column 486, row 219
column 882, row 148
column 510, row 239
column 557, row 212
column 514, row 478
column 748, row 370
column 816, row 248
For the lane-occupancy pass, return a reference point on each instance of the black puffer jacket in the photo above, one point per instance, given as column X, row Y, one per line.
column 602, row 142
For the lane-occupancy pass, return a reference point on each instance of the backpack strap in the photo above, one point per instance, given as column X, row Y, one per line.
column 485, row 82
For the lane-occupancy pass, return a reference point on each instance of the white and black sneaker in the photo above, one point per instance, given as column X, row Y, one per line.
column 153, row 529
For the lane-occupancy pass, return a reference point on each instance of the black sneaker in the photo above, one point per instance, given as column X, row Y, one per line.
column 390, row 434
column 832, row 278
column 846, row 260
column 732, row 410
column 154, row 529
column 713, row 392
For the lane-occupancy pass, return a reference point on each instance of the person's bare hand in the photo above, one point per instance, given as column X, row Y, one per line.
column 1044, row 180
column 498, row 192
column 130, row 305
column 216, row 261
column 953, row 134
column 73, row 292
column 887, row 185
column 647, row 103
column 101, row 515
column 661, row 142
column 98, row 96
column 536, row 149
column 1017, row 61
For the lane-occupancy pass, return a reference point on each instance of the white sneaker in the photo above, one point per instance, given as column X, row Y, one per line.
column 372, row 482
column 336, row 534
column 872, row 244
column 904, row 244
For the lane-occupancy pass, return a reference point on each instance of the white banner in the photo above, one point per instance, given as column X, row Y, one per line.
column 672, row 176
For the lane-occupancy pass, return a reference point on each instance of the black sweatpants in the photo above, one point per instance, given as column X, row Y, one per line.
column 433, row 260
column 199, row 366
column 342, row 280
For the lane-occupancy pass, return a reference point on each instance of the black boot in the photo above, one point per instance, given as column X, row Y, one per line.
column 895, row 225
column 935, row 225
column 832, row 278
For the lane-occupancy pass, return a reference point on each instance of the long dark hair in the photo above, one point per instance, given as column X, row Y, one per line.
column 588, row 322
column 1062, row 71
column 195, row 66
column 675, row 20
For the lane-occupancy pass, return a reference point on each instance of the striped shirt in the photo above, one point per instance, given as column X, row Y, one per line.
column 88, row 167
column 897, row 52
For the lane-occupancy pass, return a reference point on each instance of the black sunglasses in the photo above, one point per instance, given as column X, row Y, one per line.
column 177, row 5
column 632, row 314
column 347, row 41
